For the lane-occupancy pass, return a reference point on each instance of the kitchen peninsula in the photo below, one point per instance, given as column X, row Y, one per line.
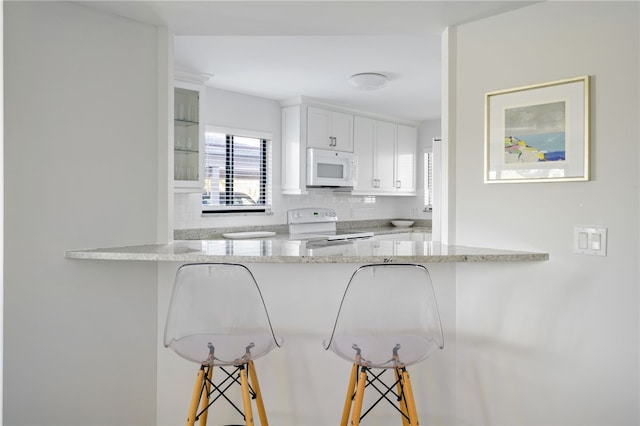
column 314, row 235
column 278, row 250
column 302, row 282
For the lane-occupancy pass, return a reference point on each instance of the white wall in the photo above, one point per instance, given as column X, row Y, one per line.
column 229, row 109
column 552, row 343
column 80, row 171
column 1, row 202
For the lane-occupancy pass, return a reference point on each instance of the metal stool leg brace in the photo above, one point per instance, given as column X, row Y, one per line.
column 248, row 381
column 358, row 382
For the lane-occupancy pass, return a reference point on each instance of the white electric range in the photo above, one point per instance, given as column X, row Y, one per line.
column 319, row 223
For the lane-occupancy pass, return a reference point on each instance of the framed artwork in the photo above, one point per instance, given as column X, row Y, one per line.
column 538, row 133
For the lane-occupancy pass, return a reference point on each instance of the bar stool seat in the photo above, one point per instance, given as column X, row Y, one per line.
column 217, row 318
column 388, row 319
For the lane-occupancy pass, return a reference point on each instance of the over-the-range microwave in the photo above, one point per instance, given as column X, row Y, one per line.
column 331, row 168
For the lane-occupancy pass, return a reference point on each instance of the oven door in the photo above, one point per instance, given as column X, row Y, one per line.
column 330, row 168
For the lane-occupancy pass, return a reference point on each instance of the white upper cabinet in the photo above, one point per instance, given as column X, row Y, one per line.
column 294, row 153
column 386, row 157
column 188, row 137
column 364, row 136
column 406, row 147
column 385, row 150
column 328, row 129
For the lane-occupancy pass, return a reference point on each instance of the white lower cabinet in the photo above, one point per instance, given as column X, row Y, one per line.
column 394, row 236
column 402, row 236
column 395, row 244
column 386, row 157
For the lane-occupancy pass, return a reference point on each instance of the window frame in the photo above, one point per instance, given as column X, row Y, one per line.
column 428, row 157
column 266, row 171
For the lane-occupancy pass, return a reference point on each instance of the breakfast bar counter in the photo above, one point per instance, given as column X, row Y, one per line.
column 304, row 315
column 281, row 250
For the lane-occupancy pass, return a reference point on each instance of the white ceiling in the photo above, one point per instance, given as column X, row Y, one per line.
column 283, row 49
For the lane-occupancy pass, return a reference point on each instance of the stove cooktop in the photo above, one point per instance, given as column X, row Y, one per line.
column 319, row 223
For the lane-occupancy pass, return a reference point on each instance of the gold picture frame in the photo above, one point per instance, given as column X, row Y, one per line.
column 538, row 133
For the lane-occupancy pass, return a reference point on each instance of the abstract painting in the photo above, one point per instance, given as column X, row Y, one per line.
column 538, row 133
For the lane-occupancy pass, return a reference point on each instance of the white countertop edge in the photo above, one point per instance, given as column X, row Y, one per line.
column 159, row 252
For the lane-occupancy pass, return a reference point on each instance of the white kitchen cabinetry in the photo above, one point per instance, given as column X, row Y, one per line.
column 294, row 152
column 385, row 150
column 402, row 236
column 394, row 236
column 188, row 137
column 405, row 159
column 328, row 129
column 305, row 126
column 386, row 157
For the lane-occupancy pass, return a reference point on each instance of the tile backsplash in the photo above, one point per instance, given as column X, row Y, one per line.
column 188, row 214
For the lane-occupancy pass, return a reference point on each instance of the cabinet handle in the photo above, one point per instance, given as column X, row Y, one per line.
column 398, row 184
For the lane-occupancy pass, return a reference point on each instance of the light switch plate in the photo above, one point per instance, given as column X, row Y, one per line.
column 590, row 240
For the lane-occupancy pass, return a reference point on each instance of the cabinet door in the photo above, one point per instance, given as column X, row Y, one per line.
column 364, row 131
column 293, row 153
column 319, row 128
column 188, row 138
column 342, row 131
column 406, row 159
column 329, row 129
column 384, row 163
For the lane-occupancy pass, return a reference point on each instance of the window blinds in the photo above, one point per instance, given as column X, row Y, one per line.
column 237, row 173
column 428, row 179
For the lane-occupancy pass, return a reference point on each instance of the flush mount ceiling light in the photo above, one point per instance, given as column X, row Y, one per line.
column 368, row 81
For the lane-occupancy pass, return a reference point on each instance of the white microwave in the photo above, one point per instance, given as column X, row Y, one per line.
column 330, row 168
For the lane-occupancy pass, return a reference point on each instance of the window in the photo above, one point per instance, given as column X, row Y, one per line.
column 428, row 180
column 237, row 171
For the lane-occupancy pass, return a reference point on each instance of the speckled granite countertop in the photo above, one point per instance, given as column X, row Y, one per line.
column 280, row 250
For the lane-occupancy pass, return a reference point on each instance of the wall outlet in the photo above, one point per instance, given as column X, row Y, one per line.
column 590, row 240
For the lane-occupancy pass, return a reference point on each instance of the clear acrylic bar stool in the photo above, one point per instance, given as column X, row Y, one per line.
column 217, row 318
column 388, row 320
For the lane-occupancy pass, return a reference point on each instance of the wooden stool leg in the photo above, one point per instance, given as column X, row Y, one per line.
column 246, row 397
column 253, row 376
column 349, row 398
column 411, row 404
column 195, row 397
column 403, row 399
column 357, row 408
column 205, row 397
